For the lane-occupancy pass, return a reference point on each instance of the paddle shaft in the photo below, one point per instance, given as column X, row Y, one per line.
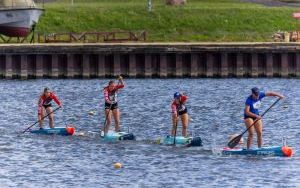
column 261, row 116
column 175, row 133
column 41, row 119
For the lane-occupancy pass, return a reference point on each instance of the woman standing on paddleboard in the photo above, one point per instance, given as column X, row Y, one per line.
column 251, row 114
column 44, row 104
column 111, row 103
column 179, row 110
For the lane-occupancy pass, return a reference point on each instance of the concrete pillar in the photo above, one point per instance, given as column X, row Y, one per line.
column 163, row 66
column 54, row 66
column 8, row 66
column 70, row 65
column 298, row 64
column 39, row 66
column 101, row 66
column 117, row 65
column 209, row 65
column 284, row 72
column 239, row 65
column 269, row 67
column 86, row 66
column 24, row 67
column 132, row 65
column 194, row 65
column 224, row 65
column 254, row 65
column 179, row 63
column 148, row 65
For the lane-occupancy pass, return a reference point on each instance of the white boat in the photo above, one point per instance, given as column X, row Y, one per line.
column 17, row 17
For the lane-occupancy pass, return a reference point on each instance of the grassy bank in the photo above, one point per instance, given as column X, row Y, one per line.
column 199, row 20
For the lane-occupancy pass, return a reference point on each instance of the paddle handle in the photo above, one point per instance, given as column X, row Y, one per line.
column 261, row 115
column 42, row 118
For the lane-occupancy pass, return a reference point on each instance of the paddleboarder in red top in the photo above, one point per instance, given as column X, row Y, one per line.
column 111, row 103
column 44, row 104
column 179, row 110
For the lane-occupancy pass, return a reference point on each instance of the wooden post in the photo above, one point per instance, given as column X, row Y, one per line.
column 86, row 66
column 297, row 64
column 148, row 65
column 239, row 65
column 284, row 72
column 54, row 66
column 24, row 67
column 132, row 65
column 70, row 65
column 179, row 63
column 254, row 65
column 101, row 66
column 224, row 65
column 8, row 66
column 117, row 65
column 163, row 66
column 269, row 67
column 194, row 65
column 209, row 65
column 39, row 66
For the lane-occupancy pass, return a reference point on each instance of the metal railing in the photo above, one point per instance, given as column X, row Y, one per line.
column 92, row 37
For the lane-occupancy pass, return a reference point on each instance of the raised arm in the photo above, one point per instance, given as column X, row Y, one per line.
column 274, row 94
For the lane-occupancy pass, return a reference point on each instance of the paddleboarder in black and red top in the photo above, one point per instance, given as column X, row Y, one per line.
column 111, row 103
column 179, row 110
column 44, row 104
column 251, row 114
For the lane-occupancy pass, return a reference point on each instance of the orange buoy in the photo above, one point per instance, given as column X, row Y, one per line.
column 118, row 165
column 287, row 151
column 70, row 130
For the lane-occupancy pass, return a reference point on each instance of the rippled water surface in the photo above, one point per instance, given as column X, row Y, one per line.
column 215, row 107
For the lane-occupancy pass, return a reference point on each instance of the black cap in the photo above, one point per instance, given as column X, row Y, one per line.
column 255, row 91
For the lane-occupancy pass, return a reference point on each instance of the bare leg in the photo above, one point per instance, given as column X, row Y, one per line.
column 249, row 122
column 51, row 117
column 185, row 121
column 40, row 116
column 108, row 120
column 116, row 114
column 258, row 128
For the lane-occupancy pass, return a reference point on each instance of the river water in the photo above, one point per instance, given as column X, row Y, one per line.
column 216, row 111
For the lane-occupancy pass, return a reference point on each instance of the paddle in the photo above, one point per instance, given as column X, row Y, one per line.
column 235, row 141
column 42, row 119
column 174, row 143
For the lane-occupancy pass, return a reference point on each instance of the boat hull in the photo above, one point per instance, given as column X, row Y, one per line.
column 64, row 131
column 182, row 141
column 112, row 136
column 281, row 151
column 17, row 22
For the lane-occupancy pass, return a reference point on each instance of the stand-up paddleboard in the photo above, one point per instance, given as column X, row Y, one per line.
column 182, row 141
column 64, row 131
column 113, row 136
column 281, row 151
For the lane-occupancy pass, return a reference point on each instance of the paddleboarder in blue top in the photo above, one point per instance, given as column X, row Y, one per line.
column 251, row 114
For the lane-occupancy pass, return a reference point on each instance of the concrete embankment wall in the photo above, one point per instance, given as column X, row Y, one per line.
column 150, row 60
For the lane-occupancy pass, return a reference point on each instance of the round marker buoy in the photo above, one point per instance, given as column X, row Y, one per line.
column 118, row 165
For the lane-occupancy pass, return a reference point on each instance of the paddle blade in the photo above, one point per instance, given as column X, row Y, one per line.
column 235, row 141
